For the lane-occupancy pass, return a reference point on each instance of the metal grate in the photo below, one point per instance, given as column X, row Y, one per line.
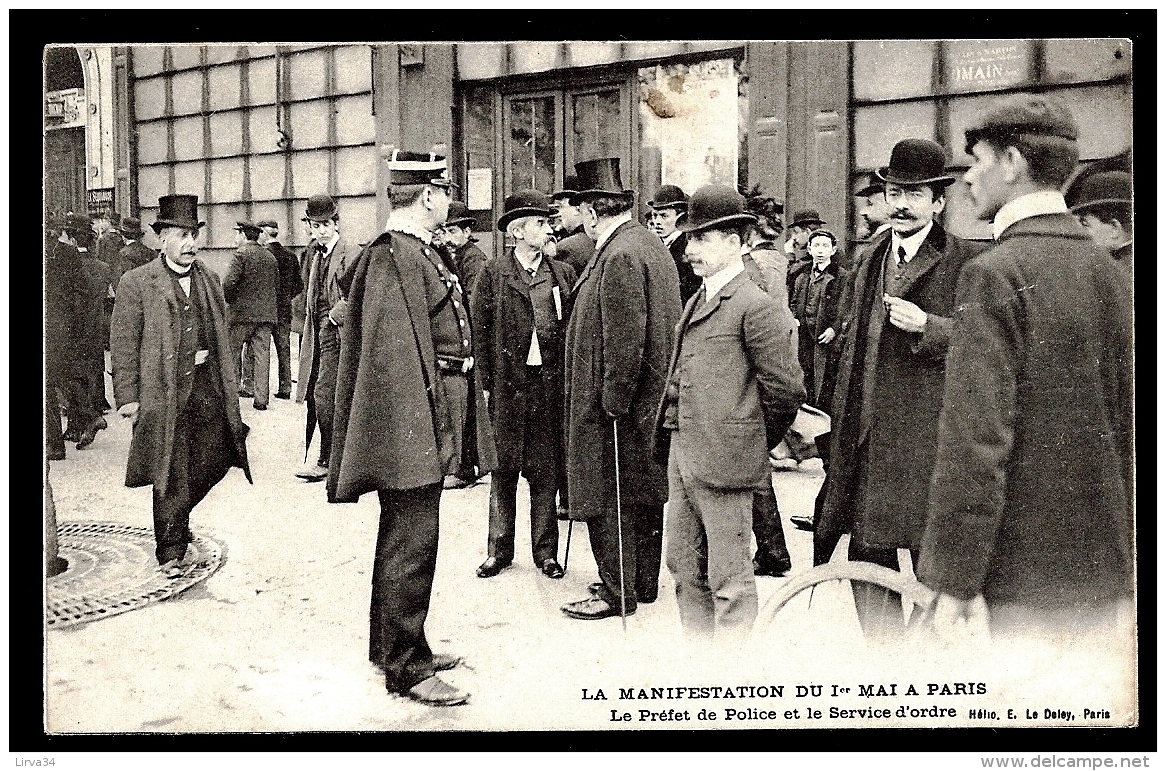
column 112, row 570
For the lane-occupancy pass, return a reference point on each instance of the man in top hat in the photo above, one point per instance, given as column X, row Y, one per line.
column 574, row 246
column 407, row 387
column 325, row 311
column 871, row 213
column 733, row 389
column 665, row 210
column 627, row 302
column 889, row 384
column 250, row 286
column 1105, row 207
column 175, row 379
column 291, row 284
column 804, row 222
column 520, row 309
column 458, row 236
column 134, row 254
column 1031, row 504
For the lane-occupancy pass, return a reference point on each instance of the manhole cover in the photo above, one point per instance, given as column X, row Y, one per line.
column 112, row 570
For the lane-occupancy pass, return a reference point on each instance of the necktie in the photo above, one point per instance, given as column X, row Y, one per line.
column 902, row 255
column 531, row 272
column 321, row 248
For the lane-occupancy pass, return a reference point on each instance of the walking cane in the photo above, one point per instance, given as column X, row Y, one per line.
column 567, row 554
column 623, row 607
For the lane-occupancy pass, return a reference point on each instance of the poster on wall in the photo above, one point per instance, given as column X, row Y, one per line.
column 100, row 200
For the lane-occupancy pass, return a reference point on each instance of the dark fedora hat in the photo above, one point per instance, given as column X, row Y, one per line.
column 131, row 227
column 320, row 208
column 524, row 203
column 669, row 197
column 411, row 168
column 806, row 217
column 458, row 215
column 177, row 211
column 867, row 184
column 600, row 177
column 916, row 162
column 1038, row 114
column 715, row 206
column 570, row 188
column 1102, row 189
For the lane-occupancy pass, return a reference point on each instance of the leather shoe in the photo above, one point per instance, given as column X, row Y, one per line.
column 803, row 523
column 436, row 693
column 283, row 395
column 592, row 609
column 244, row 394
column 769, row 566
column 552, row 569
column 454, row 482
column 313, row 473
column 443, row 662
column 171, row 569
column 595, row 587
column 90, row 433
column 492, row 567
column 72, row 434
column 563, row 513
column 259, row 407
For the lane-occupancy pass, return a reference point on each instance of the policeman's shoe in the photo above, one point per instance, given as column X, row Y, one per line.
column 435, row 692
column 90, row 433
column 803, row 523
column 314, row 473
column 492, row 567
column 764, row 565
column 592, row 609
column 552, row 569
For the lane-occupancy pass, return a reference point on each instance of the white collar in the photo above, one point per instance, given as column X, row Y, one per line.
column 332, row 244
column 814, row 266
column 130, row 241
column 533, row 264
column 400, row 224
column 911, row 243
column 615, row 223
column 716, row 282
column 668, row 239
column 1030, row 205
column 182, row 271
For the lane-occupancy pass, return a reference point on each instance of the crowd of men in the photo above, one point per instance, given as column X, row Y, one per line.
column 980, row 395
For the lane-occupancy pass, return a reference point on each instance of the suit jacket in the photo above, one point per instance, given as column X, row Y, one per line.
column 291, row 283
column 251, row 285
column 1033, row 486
column 627, row 302
column 503, row 319
column 133, row 255
column 340, row 262
column 886, row 401
column 576, row 250
column 739, row 385
column 833, row 280
column 690, row 283
column 143, row 345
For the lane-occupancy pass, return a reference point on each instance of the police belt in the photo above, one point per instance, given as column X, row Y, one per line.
column 455, row 365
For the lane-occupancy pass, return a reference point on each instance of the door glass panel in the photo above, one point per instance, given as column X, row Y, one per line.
column 595, row 126
column 532, row 146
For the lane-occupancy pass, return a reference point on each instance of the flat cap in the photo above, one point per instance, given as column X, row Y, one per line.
column 1039, row 114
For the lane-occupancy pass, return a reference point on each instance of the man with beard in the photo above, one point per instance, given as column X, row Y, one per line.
column 175, row 380
column 404, row 387
column 291, row 283
column 458, row 236
column 667, row 208
column 619, row 337
column 889, row 384
column 574, row 246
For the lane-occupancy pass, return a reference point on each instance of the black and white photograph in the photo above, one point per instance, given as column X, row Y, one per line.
column 589, row 385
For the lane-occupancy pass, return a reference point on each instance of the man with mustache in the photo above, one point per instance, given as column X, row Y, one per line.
column 889, row 385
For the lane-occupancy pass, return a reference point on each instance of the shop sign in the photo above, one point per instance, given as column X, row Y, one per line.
column 100, row 200
column 987, row 65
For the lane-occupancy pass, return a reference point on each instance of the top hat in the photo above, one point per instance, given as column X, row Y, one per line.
column 267, row 224
column 524, row 203
column 669, row 197
column 320, row 208
column 458, row 215
column 131, row 227
column 715, row 206
column 867, row 184
column 1107, row 187
column 806, row 217
column 916, row 162
column 570, row 188
column 177, row 211
column 410, row 168
column 1040, row 114
column 600, row 177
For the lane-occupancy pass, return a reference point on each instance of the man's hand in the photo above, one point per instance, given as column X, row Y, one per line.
column 960, row 621
column 905, row 315
column 826, row 337
column 129, row 410
column 339, row 313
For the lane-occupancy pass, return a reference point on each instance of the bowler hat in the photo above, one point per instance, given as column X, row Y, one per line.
column 669, row 197
column 1107, row 187
column 78, row 222
column 458, row 215
column 867, row 184
column 916, row 162
column 131, row 227
column 177, row 211
column 1039, row 114
column 570, row 188
column 320, row 208
column 600, row 177
column 524, row 203
column 806, row 217
column 411, row 168
column 267, row 224
column 715, row 206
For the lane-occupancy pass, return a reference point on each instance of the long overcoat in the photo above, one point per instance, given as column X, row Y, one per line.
column 619, row 339
column 576, row 250
column 1033, row 486
column 897, row 414
column 144, row 338
column 503, row 318
column 393, row 428
column 64, row 293
column 343, row 256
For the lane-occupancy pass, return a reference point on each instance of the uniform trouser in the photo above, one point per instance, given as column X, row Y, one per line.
column 643, row 538
column 252, row 342
column 767, row 526
column 323, row 393
column 281, row 336
column 199, row 460
column 402, row 584
column 709, row 533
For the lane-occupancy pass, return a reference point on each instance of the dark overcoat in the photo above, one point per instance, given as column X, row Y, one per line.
column 93, row 330
column 291, row 283
column 469, row 261
column 251, row 285
column 627, row 303
column 576, row 250
column 134, row 254
column 341, row 260
column 144, row 338
column 503, row 318
column 1031, row 498
column 690, row 283
column 393, row 428
column 64, row 293
column 896, row 415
